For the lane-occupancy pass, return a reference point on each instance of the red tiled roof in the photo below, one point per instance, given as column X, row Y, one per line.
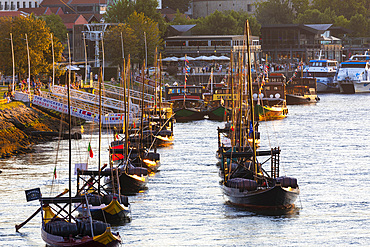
column 87, row 1
column 36, row 11
column 69, row 2
column 12, row 13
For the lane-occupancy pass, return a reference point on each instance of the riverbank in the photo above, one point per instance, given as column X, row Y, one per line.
column 18, row 121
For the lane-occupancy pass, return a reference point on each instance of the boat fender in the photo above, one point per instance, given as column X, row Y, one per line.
column 242, row 184
column 287, row 182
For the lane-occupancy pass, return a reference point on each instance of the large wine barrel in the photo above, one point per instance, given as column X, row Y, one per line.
column 242, row 183
column 287, row 182
column 137, row 171
column 61, row 228
column 108, row 198
column 98, row 226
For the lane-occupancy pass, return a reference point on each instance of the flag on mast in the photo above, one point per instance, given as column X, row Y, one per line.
column 90, row 151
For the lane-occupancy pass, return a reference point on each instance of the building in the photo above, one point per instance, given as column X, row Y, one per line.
column 207, row 45
column 15, row 5
column 301, row 42
column 203, row 8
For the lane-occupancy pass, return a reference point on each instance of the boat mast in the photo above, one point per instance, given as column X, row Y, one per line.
column 232, row 99
column 69, row 134
column 251, row 96
column 160, row 88
column 100, row 80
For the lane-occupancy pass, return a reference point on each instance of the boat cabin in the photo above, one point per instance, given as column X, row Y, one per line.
column 271, row 92
column 174, row 93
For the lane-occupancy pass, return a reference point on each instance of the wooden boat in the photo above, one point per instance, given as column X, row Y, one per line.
column 301, row 91
column 60, row 227
column 245, row 183
column 270, row 102
column 103, row 203
column 66, row 230
column 187, row 102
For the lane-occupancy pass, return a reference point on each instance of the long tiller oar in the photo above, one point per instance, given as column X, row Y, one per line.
column 17, row 227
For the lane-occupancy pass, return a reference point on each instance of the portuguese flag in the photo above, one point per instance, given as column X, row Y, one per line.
column 55, row 172
column 90, row 151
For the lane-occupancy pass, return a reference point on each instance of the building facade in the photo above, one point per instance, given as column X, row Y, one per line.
column 203, row 8
column 300, row 42
column 17, row 4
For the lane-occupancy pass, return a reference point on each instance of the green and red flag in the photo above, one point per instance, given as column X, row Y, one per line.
column 90, row 151
column 55, row 172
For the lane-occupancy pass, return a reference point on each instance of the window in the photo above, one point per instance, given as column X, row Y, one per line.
column 24, row 4
column 18, row 5
column 29, row 4
column 249, row 7
column 175, row 43
column 6, row 6
column 198, row 43
column 12, row 7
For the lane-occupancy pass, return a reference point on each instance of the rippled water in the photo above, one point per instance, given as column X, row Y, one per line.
column 326, row 146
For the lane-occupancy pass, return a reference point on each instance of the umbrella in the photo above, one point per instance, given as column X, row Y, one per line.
column 170, row 59
column 203, row 58
column 223, row 58
column 188, row 58
column 71, row 67
column 214, row 58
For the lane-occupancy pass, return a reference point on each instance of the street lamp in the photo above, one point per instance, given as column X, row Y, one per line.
column 52, row 50
column 29, row 66
column 11, row 40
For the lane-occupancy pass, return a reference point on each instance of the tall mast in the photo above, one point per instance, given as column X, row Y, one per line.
column 69, row 134
column 250, row 94
column 100, row 80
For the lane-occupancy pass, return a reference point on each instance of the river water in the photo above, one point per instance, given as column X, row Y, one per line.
column 326, row 146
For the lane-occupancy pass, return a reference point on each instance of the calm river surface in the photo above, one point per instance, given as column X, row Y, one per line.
column 326, row 146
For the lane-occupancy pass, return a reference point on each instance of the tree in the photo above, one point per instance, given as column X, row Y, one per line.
column 56, row 25
column 39, row 40
column 113, row 43
column 181, row 19
column 120, row 12
column 216, row 23
column 240, row 17
column 181, row 5
column 314, row 16
column 134, row 41
column 358, row 30
column 347, row 8
column 274, row 12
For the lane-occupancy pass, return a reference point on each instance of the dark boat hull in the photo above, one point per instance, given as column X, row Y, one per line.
column 292, row 99
column 113, row 219
column 219, row 113
column 347, row 87
column 268, row 198
column 188, row 114
column 130, row 185
column 58, row 241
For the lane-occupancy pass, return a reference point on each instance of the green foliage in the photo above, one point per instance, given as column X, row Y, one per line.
column 274, row 12
column 56, row 25
column 120, row 12
column 225, row 23
column 314, row 16
column 39, row 40
column 181, row 5
column 133, row 36
column 347, row 8
column 181, row 19
column 358, row 30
